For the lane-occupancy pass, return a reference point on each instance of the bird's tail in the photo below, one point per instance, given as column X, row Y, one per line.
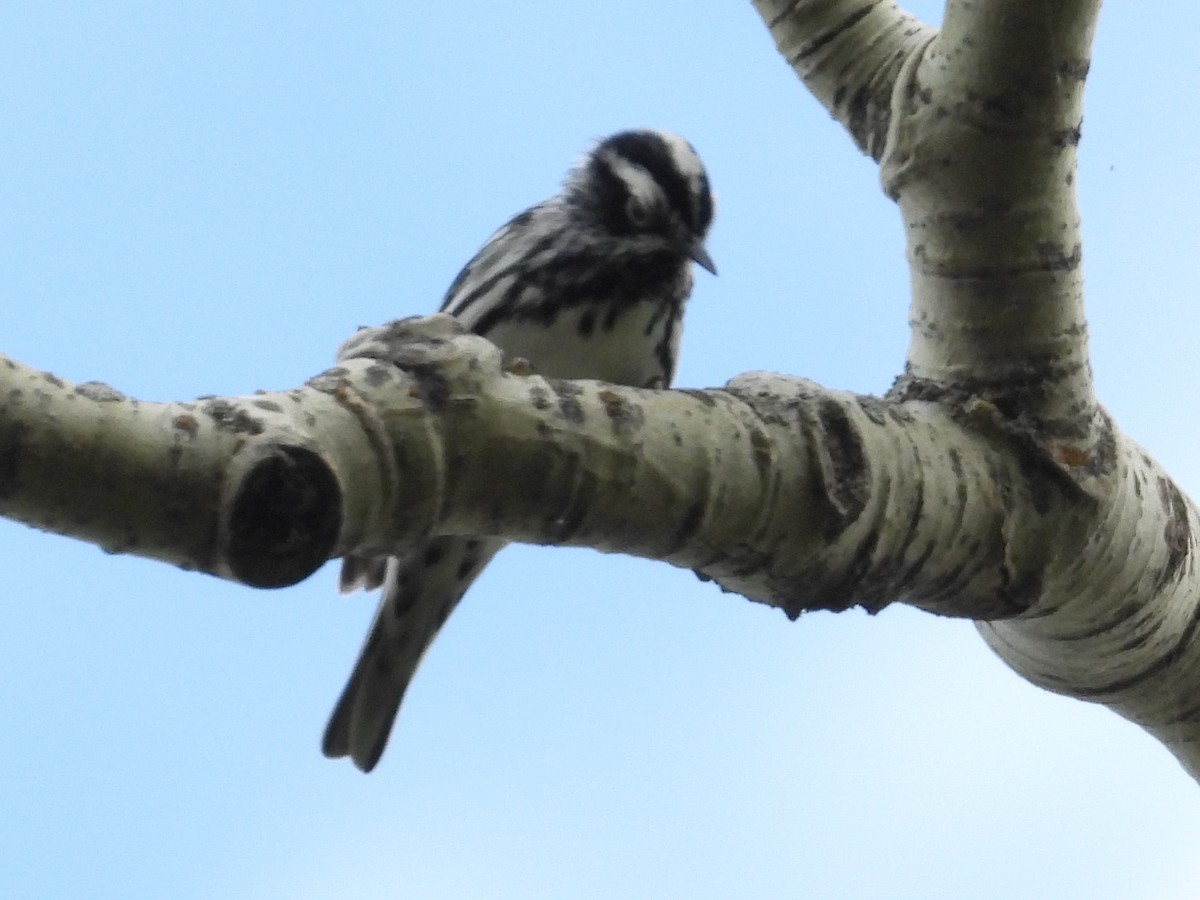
column 419, row 593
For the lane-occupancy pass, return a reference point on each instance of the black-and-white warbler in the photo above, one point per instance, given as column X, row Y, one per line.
column 590, row 283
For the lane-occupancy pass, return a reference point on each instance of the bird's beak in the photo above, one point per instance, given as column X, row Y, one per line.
column 700, row 255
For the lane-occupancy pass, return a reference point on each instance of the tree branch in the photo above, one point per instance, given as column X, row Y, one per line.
column 776, row 488
column 976, row 129
column 849, row 54
column 988, row 484
column 225, row 486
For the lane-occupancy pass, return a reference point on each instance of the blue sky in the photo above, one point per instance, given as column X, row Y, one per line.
column 207, row 198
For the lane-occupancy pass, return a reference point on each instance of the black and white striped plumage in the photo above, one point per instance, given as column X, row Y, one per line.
column 590, row 283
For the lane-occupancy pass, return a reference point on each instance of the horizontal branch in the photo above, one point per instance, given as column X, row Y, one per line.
column 774, row 487
column 160, row 480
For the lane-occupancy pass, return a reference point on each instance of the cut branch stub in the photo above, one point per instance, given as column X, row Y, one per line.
column 284, row 517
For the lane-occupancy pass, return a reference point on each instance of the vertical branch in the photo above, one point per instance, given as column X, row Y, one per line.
column 981, row 159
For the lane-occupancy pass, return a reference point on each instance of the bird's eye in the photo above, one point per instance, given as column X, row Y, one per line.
column 637, row 212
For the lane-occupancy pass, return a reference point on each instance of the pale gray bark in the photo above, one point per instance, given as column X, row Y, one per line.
column 976, row 128
column 989, row 484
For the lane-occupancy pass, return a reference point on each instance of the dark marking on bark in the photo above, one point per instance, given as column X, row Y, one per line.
column 1057, row 258
column 883, row 578
column 99, row 392
column 12, row 448
column 1080, row 444
column 1177, row 532
column 625, row 418
column 692, row 519
column 868, row 117
column 763, row 449
column 917, row 565
column 568, row 395
column 1166, row 661
column 960, row 478
column 378, row 375
column 873, row 408
column 1006, row 107
column 1074, row 69
column 569, row 519
column 467, row 566
column 540, row 398
column 429, row 386
column 914, row 518
column 845, row 479
column 230, row 417
column 434, row 554
column 1067, row 137
column 839, row 591
column 784, row 13
column 842, row 440
column 1018, row 592
column 1102, row 461
column 830, row 34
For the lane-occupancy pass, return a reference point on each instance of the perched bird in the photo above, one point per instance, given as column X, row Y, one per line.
column 590, row 283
